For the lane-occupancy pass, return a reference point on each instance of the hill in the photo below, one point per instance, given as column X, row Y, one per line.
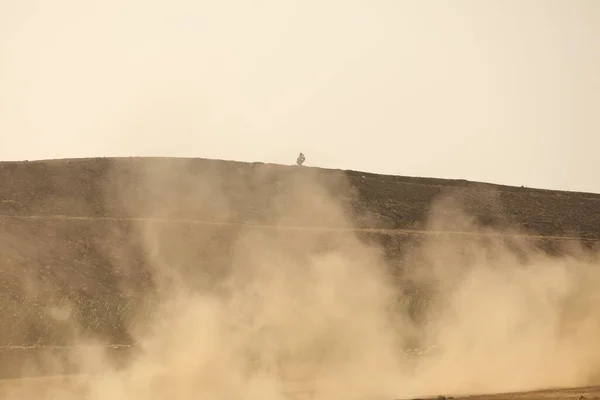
column 101, row 248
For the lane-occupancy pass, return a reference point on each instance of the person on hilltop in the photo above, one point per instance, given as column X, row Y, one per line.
column 300, row 160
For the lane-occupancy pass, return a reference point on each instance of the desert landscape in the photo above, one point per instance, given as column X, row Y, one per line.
column 142, row 278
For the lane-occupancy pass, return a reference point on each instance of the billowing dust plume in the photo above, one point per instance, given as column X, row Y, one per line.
column 300, row 313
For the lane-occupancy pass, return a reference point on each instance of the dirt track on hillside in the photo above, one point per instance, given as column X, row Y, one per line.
column 381, row 231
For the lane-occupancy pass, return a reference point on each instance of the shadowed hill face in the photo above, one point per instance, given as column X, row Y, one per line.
column 136, row 251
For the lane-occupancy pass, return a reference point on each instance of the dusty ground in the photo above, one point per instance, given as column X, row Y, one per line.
column 34, row 388
column 84, row 244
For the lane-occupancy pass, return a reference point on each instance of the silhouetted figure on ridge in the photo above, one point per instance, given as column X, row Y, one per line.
column 300, row 159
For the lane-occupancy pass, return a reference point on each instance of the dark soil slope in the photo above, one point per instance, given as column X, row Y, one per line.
column 70, row 229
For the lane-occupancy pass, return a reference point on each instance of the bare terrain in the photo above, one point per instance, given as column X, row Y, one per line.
column 196, row 278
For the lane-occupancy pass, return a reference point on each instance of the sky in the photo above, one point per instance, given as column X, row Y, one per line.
column 503, row 91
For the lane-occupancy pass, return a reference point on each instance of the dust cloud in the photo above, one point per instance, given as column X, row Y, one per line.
column 299, row 313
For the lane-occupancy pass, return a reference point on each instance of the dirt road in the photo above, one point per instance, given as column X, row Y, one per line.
column 391, row 232
column 64, row 386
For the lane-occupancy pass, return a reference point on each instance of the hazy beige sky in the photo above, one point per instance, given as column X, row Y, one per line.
column 506, row 91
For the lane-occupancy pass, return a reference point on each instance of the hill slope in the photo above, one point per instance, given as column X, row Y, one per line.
column 70, row 225
column 91, row 247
